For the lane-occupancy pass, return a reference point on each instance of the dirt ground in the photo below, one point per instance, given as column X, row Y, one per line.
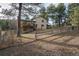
column 64, row 44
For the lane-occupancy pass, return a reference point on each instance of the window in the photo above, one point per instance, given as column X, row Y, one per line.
column 42, row 25
column 36, row 25
column 34, row 21
column 42, row 20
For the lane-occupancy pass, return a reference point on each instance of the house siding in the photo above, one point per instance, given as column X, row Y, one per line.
column 39, row 22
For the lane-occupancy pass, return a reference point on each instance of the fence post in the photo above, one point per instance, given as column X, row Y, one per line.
column 36, row 34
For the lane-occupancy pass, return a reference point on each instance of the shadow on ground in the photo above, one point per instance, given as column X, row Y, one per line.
column 32, row 48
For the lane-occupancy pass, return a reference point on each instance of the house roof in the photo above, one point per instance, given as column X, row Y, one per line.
column 36, row 18
column 27, row 20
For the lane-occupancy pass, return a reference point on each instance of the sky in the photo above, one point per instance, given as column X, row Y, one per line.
column 6, row 6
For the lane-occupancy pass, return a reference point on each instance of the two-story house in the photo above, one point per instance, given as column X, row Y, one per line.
column 40, row 23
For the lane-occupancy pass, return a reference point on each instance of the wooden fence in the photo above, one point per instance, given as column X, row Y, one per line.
column 7, row 38
column 54, row 31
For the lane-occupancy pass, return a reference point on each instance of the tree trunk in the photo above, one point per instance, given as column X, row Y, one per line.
column 59, row 20
column 59, row 23
column 0, row 33
column 19, row 20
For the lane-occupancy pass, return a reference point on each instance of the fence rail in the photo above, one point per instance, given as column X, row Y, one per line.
column 7, row 38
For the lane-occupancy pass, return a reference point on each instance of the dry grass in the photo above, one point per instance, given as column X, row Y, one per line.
column 65, row 44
